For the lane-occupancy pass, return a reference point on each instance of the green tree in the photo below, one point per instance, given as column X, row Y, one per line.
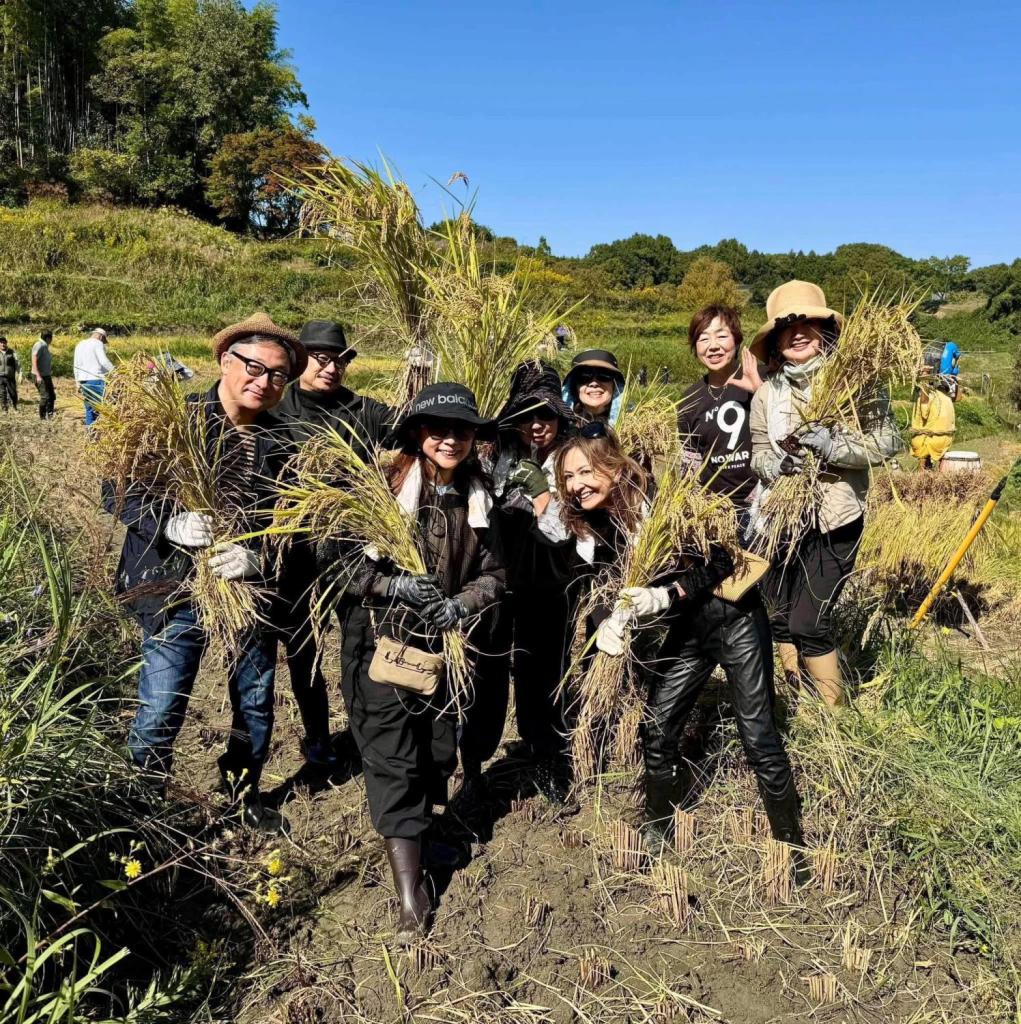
column 709, row 281
column 637, row 262
column 246, row 185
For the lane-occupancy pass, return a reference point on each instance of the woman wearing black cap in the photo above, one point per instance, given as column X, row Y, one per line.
column 407, row 741
column 316, row 400
column 594, row 385
column 535, row 612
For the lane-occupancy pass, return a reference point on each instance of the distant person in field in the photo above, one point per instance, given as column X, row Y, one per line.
column 10, row 372
column 318, row 399
column 804, row 587
column 950, row 368
column 933, row 422
column 91, row 368
column 42, row 374
column 256, row 359
column 594, row 385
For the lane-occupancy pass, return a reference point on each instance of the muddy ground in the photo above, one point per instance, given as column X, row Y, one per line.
column 548, row 920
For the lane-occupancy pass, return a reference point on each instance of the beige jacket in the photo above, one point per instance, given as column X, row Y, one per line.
column 845, row 481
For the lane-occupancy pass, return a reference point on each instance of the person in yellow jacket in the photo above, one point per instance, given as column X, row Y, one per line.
column 933, row 423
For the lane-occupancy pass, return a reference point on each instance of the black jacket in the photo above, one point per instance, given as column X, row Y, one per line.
column 151, row 569
column 363, row 421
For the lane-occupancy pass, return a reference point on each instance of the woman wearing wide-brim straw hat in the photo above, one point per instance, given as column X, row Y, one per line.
column 805, row 583
column 408, row 741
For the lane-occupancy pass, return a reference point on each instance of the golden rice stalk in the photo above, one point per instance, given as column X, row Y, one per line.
column 878, row 348
column 827, row 865
column 534, row 910
column 741, row 823
column 684, row 831
column 484, row 325
column 672, row 894
column 374, row 214
column 336, row 495
column 594, row 970
column 684, row 519
column 630, row 854
column 149, row 436
column 777, row 873
column 647, row 424
column 823, row 987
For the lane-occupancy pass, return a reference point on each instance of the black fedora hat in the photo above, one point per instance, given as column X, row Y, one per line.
column 444, row 401
column 534, row 385
column 326, row 335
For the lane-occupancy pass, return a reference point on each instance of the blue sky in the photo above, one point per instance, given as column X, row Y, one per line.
column 786, row 125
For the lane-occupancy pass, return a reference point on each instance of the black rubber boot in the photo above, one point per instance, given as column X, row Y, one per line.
column 784, row 814
column 255, row 814
column 662, row 794
column 405, row 857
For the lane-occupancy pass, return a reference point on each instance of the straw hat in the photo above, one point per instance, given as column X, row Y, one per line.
column 260, row 324
column 794, row 300
column 599, row 358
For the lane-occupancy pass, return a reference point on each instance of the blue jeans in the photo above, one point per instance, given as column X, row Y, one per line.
column 170, row 663
column 92, row 392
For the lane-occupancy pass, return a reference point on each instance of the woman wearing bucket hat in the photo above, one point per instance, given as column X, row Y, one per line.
column 530, row 635
column 805, row 584
column 408, row 740
column 319, row 400
column 594, row 385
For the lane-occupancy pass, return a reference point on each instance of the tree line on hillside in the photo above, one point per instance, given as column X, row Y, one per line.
column 153, row 102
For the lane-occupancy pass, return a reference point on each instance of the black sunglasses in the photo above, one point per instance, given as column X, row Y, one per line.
column 438, row 429
column 256, row 369
column 544, row 413
column 593, row 376
column 324, row 359
column 594, row 429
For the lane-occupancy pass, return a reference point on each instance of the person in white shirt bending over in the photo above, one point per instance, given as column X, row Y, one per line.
column 91, row 368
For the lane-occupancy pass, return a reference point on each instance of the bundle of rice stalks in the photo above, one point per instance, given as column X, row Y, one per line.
column 683, row 520
column 484, row 325
column 877, row 349
column 647, row 425
column 914, row 523
column 149, row 437
column 375, row 215
column 337, row 495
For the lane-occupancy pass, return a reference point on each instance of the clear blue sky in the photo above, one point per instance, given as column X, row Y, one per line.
column 786, row 125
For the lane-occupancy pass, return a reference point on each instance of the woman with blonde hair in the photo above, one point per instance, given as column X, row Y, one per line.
column 605, row 496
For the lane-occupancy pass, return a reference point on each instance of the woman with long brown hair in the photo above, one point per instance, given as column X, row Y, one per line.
column 407, row 740
column 605, row 496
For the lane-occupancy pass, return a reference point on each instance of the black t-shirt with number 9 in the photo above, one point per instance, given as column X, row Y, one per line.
column 713, row 424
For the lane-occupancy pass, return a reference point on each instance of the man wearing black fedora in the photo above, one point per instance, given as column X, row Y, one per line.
column 319, row 399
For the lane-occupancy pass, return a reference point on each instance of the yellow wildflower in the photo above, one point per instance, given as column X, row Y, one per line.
column 275, row 864
column 273, row 896
column 132, row 868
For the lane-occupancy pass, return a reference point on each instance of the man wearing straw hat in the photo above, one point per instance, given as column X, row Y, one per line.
column 317, row 400
column 257, row 358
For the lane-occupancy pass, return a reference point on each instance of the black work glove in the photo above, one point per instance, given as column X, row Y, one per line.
column 414, row 591
column 790, row 466
column 445, row 613
column 528, row 475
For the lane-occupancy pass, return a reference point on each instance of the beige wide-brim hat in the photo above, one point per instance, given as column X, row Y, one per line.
column 262, row 325
column 794, row 300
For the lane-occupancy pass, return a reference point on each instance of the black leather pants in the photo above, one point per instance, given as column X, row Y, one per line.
column 736, row 637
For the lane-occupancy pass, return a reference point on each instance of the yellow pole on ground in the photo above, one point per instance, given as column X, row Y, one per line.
column 962, row 550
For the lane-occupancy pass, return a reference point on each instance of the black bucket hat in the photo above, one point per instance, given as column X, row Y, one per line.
column 534, row 385
column 326, row 335
column 445, row 401
column 594, row 358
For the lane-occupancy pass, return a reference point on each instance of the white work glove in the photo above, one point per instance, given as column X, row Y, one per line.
column 189, row 530
column 612, row 630
column 645, row 602
column 234, row 562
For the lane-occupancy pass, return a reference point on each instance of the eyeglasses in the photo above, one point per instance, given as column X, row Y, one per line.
column 593, row 377
column 439, row 429
column 255, row 369
column 594, row 429
column 324, row 359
